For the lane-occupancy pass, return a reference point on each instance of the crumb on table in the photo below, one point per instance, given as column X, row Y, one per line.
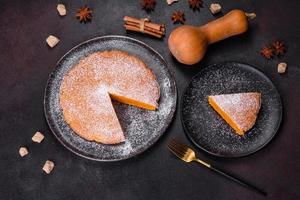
column 215, row 8
column 48, row 166
column 37, row 137
column 52, row 41
column 170, row 2
column 23, row 151
column 61, row 8
column 281, row 68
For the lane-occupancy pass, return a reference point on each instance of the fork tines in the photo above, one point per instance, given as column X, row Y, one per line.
column 177, row 148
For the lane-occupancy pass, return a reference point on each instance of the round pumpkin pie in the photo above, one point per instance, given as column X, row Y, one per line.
column 89, row 86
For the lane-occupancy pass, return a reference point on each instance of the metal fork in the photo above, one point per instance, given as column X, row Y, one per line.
column 186, row 154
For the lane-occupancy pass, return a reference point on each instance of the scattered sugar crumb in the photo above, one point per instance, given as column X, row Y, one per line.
column 48, row 166
column 170, row 2
column 61, row 8
column 281, row 68
column 215, row 8
column 23, row 151
column 52, row 41
column 37, row 137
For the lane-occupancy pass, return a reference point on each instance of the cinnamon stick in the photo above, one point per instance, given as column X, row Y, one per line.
column 144, row 26
column 132, row 28
column 138, row 21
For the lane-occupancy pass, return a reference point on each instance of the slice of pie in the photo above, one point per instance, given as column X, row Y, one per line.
column 238, row 110
column 87, row 89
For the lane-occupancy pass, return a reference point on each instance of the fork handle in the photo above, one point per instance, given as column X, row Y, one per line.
column 231, row 177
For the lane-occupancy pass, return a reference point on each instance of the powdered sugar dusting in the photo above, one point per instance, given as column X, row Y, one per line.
column 208, row 130
column 141, row 127
column 84, row 93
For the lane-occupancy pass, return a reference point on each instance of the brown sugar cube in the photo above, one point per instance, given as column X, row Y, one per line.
column 215, row 8
column 52, row 41
column 48, row 166
column 170, row 2
column 23, row 151
column 281, row 68
column 61, row 8
column 37, row 137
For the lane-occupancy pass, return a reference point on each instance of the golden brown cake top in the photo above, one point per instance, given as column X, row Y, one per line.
column 86, row 91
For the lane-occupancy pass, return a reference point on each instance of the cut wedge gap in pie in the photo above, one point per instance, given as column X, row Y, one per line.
column 87, row 89
column 239, row 110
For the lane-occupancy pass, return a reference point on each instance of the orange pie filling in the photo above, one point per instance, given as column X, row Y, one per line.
column 225, row 116
column 132, row 102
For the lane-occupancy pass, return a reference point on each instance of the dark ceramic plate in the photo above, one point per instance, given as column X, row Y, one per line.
column 208, row 130
column 142, row 128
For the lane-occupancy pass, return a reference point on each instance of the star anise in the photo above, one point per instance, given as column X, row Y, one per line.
column 178, row 17
column 279, row 48
column 266, row 52
column 196, row 4
column 148, row 5
column 84, row 14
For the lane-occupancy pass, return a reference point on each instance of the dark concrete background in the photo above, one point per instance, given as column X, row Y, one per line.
column 26, row 61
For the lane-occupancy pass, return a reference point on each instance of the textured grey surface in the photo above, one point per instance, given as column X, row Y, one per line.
column 141, row 128
column 26, row 62
column 208, row 130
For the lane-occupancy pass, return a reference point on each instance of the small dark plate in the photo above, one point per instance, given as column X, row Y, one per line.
column 142, row 128
column 208, row 130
